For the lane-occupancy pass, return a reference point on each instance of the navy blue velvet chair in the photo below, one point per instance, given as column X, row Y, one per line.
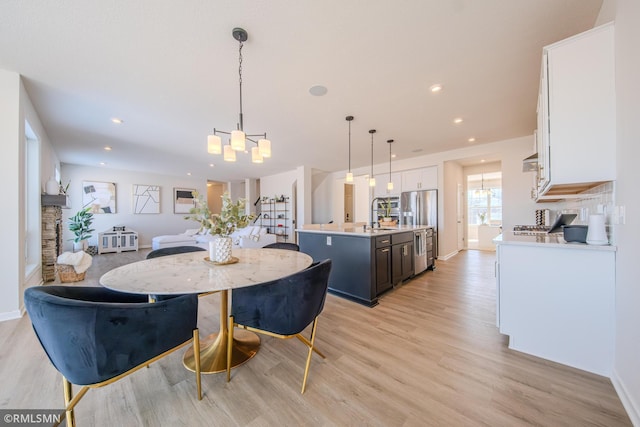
column 282, row 308
column 94, row 336
column 283, row 245
column 173, row 251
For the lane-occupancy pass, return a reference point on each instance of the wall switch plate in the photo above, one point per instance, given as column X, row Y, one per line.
column 328, row 240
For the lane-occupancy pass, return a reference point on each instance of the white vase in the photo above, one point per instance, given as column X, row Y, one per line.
column 79, row 246
column 223, row 249
column 52, row 187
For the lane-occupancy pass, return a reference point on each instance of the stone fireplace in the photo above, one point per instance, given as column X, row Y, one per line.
column 51, row 234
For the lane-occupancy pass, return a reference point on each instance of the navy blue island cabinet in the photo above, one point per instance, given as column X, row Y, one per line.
column 362, row 262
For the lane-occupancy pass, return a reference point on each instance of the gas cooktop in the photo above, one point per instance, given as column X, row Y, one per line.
column 530, row 230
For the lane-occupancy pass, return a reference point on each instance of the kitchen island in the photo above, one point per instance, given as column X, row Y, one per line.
column 366, row 262
column 556, row 300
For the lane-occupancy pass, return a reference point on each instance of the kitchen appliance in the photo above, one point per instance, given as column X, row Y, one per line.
column 575, row 233
column 421, row 208
column 597, row 233
column 379, row 208
column 419, row 251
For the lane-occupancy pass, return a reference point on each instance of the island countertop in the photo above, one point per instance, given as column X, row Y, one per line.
column 546, row 240
column 359, row 231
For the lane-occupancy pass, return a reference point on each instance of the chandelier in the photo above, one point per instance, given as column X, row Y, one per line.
column 238, row 138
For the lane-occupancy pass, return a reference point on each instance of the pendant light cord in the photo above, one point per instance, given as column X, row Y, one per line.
column 240, row 125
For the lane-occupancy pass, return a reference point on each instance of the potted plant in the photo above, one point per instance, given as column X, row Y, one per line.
column 231, row 217
column 80, row 226
column 483, row 217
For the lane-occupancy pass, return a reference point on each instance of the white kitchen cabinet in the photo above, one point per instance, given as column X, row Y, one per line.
column 577, row 114
column 380, row 190
column 420, row 179
column 558, row 303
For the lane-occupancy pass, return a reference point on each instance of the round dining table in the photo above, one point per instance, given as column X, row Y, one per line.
column 193, row 273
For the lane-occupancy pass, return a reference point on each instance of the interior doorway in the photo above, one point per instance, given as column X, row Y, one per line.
column 215, row 190
column 484, row 209
column 349, row 203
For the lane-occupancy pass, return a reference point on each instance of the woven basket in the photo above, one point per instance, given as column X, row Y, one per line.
column 68, row 274
column 388, row 223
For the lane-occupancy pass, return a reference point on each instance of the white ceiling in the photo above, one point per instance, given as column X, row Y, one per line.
column 169, row 69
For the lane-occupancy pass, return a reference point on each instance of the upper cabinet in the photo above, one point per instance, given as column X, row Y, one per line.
column 576, row 134
column 380, row 190
column 420, row 179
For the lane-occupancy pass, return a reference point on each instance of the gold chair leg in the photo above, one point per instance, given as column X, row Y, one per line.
column 196, row 355
column 308, row 344
column 306, row 369
column 68, row 396
column 230, row 326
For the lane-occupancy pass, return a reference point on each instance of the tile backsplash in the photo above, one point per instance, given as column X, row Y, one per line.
column 600, row 199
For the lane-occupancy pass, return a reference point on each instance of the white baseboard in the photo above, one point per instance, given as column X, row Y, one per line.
column 11, row 315
column 449, row 255
column 629, row 405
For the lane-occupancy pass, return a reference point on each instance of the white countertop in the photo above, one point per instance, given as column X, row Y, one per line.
column 359, row 231
column 546, row 240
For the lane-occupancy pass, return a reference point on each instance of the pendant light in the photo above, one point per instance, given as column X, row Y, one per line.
column 372, row 180
column 238, row 138
column 389, row 184
column 349, row 174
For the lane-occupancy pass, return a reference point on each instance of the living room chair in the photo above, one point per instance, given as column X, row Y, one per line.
column 94, row 336
column 282, row 308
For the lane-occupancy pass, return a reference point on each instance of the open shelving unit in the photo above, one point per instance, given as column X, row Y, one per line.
column 276, row 217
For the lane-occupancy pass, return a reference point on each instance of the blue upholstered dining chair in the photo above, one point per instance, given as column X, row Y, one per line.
column 283, row 245
column 282, row 308
column 94, row 336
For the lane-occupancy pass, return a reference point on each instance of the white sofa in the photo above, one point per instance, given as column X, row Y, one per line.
column 252, row 236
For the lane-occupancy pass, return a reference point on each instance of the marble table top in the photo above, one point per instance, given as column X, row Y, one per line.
column 190, row 273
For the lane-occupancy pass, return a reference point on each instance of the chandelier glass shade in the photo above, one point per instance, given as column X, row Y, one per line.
column 238, row 138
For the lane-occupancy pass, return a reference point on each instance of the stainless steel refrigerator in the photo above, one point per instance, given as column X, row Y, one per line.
column 420, row 208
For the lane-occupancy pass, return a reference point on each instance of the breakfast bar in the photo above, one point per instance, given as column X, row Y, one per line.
column 367, row 262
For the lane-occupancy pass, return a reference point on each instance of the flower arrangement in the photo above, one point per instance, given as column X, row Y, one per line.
column 483, row 216
column 231, row 217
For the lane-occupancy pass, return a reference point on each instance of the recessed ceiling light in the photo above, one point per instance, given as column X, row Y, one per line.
column 482, row 161
column 211, row 165
column 318, row 90
column 103, row 163
column 117, row 120
column 457, row 120
column 107, row 148
column 472, row 139
column 393, row 156
column 189, row 173
column 435, row 88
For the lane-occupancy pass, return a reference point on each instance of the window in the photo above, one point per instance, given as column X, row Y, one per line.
column 484, row 198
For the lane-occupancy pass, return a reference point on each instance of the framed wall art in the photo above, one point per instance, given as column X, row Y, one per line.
column 183, row 200
column 146, row 199
column 99, row 196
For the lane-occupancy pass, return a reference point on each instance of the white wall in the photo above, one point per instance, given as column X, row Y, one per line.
column 10, row 162
column 626, row 376
column 147, row 225
column 448, row 242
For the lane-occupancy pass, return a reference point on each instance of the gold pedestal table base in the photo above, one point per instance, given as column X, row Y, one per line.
column 213, row 349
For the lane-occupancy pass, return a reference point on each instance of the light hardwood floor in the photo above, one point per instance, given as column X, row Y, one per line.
column 428, row 355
